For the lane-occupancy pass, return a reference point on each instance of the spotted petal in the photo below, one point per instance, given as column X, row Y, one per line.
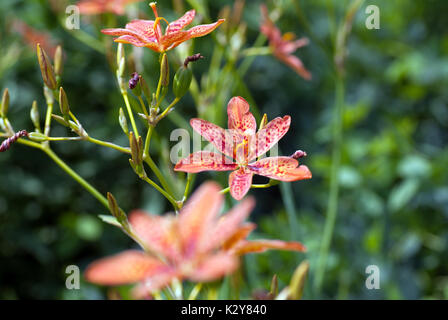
column 159, row 233
column 245, row 247
column 145, row 28
column 296, row 64
column 224, row 140
column 280, row 168
column 124, row 268
column 267, row 137
column 205, row 161
column 240, row 183
column 214, row 267
column 180, row 23
column 203, row 29
column 240, row 117
column 228, row 223
column 198, row 215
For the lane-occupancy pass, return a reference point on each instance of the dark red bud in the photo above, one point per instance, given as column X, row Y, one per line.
column 134, row 80
column 192, row 58
column 298, row 154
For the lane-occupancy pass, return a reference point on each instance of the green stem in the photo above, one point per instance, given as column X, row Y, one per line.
column 142, row 104
column 129, row 109
column 254, row 186
column 334, row 184
column 257, row 51
column 48, row 119
column 168, row 109
column 109, row 145
column 163, row 192
column 188, row 186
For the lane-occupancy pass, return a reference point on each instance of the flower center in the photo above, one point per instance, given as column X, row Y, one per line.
column 241, row 151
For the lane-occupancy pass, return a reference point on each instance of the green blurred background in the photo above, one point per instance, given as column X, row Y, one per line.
column 393, row 203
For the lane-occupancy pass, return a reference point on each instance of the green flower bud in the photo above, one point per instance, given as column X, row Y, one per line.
column 35, row 117
column 145, row 88
column 46, row 68
column 5, row 103
column 58, row 61
column 115, row 210
column 164, row 71
column 63, row 104
column 37, row 136
column 182, row 81
column 123, row 122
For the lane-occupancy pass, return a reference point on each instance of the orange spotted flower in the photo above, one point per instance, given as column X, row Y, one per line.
column 93, row 7
column 197, row 245
column 243, row 144
column 148, row 33
column 283, row 46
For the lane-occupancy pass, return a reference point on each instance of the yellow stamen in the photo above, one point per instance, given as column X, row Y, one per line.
column 288, row 36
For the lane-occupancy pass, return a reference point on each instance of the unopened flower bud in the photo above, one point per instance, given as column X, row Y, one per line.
column 298, row 154
column 37, row 136
column 63, row 104
column 35, row 117
column 182, row 81
column 123, row 122
column 48, row 94
column 46, row 68
column 58, row 61
column 116, row 211
column 145, row 89
column 5, row 103
column 133, row 82
column 164, row 71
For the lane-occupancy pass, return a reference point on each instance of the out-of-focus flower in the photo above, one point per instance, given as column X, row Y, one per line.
column 243, row 144
column 148, row 33
column 32, row 37
column 197, row 245
column 283, row 46
column 93, row 7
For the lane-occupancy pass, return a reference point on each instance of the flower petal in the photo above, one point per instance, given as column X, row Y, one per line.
column 153, row 283
column 198, row 215
column 296, row 64
column 158, row 232
column 124, row 268
column 205, row 161
column 214, row 267
column 280, row 168
column 180, row 23
column 239, row 235
column 131, row 40
column 267, row 137
column 224, row 140
column 240, row 117
column 245, row 247
column 228, row 223
column 203, row 29
column 240, row 183
column 144, row 28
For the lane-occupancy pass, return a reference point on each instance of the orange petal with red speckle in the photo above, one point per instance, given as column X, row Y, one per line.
column 280, row 168
column 245, row 247
column 240, row 183
column 180, row 23
column 240, row 117
column 205, row 161
column 159, row 233
column 228, row 223
column 203, row 29
column 267, row 137
column 127, row 267
column 239, row 235
column 214, row 267
column 224, row 140
column 199, row 215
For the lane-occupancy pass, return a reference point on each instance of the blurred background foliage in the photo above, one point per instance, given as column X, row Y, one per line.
column 393, row 203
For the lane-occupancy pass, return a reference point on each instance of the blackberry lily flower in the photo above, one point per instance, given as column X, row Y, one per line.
column 243, row 144
column 197, row 245
column 283, row 46
column 148, row 33
column 93, row 7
